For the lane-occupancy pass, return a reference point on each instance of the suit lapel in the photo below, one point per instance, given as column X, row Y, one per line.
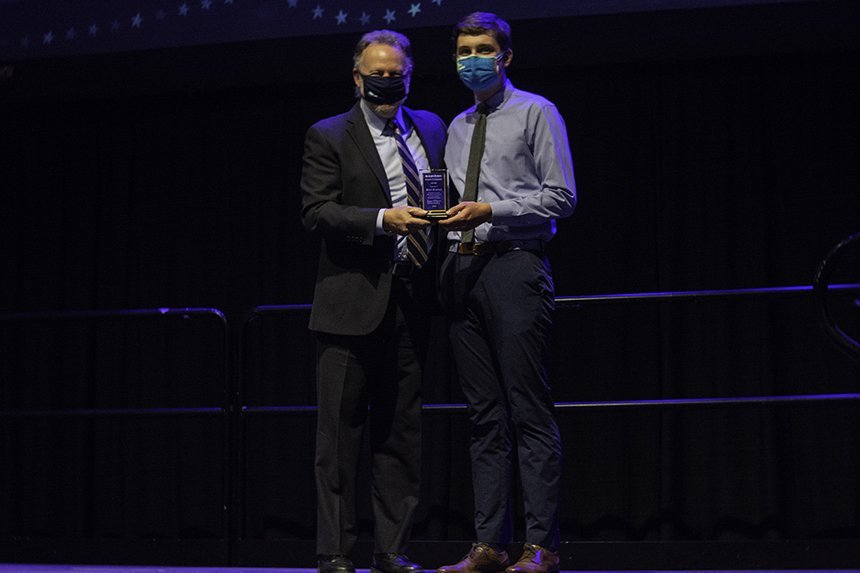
column 359, row 132
column 434, row 157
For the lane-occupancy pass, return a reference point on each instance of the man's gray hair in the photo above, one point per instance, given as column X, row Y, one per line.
column 388, row 37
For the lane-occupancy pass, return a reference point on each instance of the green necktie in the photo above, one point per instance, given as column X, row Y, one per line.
column 473, row 169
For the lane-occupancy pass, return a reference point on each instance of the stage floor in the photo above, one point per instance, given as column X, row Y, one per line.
column 31, row 568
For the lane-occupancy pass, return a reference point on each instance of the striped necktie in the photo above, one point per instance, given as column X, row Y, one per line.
column 416, row 243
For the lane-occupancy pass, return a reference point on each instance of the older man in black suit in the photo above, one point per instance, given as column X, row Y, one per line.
column 360, row 186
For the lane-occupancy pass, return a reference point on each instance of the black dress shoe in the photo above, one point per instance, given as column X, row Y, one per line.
column 334, row 564
column 393, row 563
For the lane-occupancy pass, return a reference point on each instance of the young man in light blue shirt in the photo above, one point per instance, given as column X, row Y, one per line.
column 510, row 163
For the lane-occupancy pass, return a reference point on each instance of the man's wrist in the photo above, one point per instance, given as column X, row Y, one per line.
column 381, row 228
column 489, row 211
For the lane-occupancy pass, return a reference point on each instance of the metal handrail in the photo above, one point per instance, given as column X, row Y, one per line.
column 225, row 410
column 822, row 277
column 582, row 300
column 664, row 296
column 112, row 412
column 238, row 429
column 123, row 314
column 698, row 295
column 116, row 313
column 665, row 404
column 235, row 409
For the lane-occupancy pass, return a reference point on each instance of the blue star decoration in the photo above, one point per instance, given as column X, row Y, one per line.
column 185, row 8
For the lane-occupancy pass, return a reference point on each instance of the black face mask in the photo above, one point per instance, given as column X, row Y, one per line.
column 378, row 89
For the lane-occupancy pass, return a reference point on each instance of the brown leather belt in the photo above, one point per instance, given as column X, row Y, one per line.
column 496, row 247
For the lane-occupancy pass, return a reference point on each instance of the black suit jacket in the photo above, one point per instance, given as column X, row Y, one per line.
column 343, row 187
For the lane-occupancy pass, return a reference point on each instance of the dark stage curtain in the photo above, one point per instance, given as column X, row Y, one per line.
column 694, row 173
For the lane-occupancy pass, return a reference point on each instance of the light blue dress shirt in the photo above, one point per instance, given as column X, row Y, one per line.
column 386, row 146
column 526, row 170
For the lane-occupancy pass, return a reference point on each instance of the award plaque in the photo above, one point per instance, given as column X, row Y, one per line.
column 434, row 193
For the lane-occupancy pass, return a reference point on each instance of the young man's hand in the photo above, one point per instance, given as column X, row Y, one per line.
column 467, row 215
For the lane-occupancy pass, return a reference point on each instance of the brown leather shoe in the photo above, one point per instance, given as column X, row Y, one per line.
column 481, row 559
column 535, row 559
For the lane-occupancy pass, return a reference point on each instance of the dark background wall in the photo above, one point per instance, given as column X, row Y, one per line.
column 713, row 149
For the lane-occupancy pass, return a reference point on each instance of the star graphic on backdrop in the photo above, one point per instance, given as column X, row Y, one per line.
column 365, row 18
column 292, row 3
column 93, row 29
column 71, row 34
column 25, row 42
column 389, row 16
column 114, row 26
column 341, row 17
column 160, row 15
column 183, row 9
column 318, row 12
column 136, row 21
column 227, row 2
column 48, row 38
column 415, row 9
column 205, row 4
column 437, row 2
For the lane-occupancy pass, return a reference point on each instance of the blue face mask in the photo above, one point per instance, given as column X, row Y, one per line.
column 479, row 72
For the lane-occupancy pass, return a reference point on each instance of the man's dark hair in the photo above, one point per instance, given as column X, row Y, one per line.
column 478, row 23
column 388, row 37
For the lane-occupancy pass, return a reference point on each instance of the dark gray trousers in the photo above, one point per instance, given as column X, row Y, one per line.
column 381, row 371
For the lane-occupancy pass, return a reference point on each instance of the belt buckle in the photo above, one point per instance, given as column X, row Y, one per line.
column 483, row 249
column 470, row 249
column 478, row 249
column 497, row 247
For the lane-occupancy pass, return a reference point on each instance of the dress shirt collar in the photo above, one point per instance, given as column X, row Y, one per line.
column 498, row 99
column 377, row 124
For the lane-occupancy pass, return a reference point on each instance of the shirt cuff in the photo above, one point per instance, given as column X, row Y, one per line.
column 379, row 229
column 504, row 209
